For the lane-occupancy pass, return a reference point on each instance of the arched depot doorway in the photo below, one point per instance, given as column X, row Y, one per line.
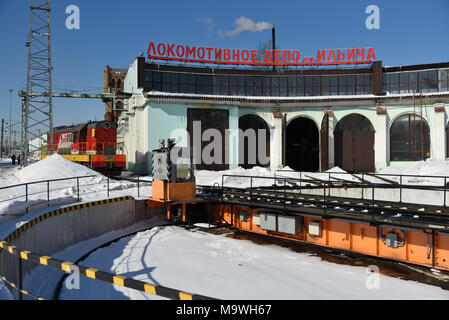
column 254, row 142
column 354, row 144
column 302, row 145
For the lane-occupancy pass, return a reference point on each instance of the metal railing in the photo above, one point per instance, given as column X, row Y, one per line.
column 300, row 184
column 43, row 191
column 401, row 184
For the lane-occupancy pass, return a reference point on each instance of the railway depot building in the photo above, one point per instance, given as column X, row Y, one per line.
column 360, row 117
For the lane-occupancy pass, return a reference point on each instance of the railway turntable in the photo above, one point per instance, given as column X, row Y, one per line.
column 350, row 216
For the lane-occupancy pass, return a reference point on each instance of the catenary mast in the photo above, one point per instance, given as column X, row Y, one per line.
column 37, row 109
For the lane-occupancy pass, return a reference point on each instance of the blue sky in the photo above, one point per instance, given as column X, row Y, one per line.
column 114, row 32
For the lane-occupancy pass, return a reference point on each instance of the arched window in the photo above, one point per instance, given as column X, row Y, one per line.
column 409, row 138
column 119, row 83
column 112, row 85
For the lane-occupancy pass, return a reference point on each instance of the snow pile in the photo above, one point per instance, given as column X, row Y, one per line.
column 429, row 167
column 53, row 167
column 13, row 200
column 205, row 177
column 226, row 268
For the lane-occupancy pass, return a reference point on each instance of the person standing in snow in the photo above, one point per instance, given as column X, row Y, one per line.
column 18, row 159
column 13, row 158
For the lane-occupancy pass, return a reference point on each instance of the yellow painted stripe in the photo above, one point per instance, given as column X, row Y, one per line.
column 66, row 266
column 185, row 296
column 11, row 248
column 24, row 254
column 119, row 280
column 44, row 260
column 150, row 288
column 91, row 273
column 2, row 243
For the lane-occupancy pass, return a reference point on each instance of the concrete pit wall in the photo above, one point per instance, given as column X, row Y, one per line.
column 54, row 231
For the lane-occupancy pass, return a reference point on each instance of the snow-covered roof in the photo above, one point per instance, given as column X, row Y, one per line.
column 157, row 95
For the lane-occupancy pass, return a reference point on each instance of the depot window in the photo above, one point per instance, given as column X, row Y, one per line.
column 415, row 82
column 409, row 139
column 265, row 85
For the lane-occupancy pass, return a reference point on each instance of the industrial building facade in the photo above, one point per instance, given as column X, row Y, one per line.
column 360, row 119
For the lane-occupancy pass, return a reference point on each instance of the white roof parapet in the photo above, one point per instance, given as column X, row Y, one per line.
column 225, row 99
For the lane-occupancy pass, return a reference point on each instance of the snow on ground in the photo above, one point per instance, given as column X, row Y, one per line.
column 206, row 177
column 52, row 167
column 227, row 268
column 206, row 264
column 430, row 167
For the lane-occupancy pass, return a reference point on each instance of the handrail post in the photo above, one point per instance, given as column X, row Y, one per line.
column 372, row 206
column 325, row 202
column 285, row 195
column 222, row 187
column 19, row 277
column 251, row 192
column 444, row 205
column 108, row 185
column 78, row 188
column 48, row 193
column 138, row 188
column 363, row 184
column 400, row 190
column 300, row 182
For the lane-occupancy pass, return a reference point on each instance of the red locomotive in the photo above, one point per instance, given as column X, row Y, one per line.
column 93, row 144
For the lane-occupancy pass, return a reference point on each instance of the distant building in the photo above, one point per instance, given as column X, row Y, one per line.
column 113, row 79
column 36, row 145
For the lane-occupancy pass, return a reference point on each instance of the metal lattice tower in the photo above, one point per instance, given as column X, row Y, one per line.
column 37, row 106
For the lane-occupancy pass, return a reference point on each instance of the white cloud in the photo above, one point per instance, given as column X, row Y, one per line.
column 245, row 24
column 209, row 23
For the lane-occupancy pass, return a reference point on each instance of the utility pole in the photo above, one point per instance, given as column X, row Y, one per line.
column 15, row 140
column 273, row 43
column 10, row 121
column 37, row 107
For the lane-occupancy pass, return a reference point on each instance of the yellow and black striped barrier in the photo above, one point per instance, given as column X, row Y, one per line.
column 103, row 276
column 20, row 290
column 90, row 272
column 53, row 213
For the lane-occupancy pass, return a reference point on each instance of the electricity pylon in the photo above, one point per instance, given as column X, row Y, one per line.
column 37, row 109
